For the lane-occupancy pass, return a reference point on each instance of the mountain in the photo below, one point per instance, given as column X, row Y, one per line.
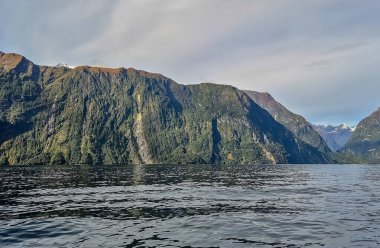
column 92, row 115
column 365, row 140
column 335, row 136
column 302, row 129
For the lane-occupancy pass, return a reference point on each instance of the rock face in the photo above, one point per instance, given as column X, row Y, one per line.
column 302, row 129
column 365, row 140
column 59, row 115
column 335, row 136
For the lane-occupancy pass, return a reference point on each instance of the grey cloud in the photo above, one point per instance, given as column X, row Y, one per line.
column 319, row 64
column 346, row 47
column 50, row 30
column 317, row 57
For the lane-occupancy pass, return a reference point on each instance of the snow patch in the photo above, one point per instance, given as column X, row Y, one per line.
column 65, row 65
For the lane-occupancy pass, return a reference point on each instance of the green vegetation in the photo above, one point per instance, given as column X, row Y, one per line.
column 293, row 122
column 364, row 144
column 87, row 115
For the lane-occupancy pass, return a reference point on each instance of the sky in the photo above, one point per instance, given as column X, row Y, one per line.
column 318, row 58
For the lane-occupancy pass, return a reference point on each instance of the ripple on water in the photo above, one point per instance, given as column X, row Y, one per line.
column 194, row 206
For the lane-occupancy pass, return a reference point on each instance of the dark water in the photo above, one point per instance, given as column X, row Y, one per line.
column 190, row 206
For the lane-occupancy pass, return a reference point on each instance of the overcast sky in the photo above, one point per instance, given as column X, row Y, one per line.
column 321, row 59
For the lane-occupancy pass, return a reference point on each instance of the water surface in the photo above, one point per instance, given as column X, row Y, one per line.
column 190, row 206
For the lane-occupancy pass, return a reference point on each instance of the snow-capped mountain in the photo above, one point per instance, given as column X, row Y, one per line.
column 64, row 65
column 335, row 136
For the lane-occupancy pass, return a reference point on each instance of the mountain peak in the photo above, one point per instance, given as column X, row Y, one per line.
column 64, row 65
column 295, row 123
column 343, row 125
column 365, row 139
column 335, row 136
column 16, row 63
column 9, row 61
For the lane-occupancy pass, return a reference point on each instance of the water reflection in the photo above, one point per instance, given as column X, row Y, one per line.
column 138, row 174
column 200, row 205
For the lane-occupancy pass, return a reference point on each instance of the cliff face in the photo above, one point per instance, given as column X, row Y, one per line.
column 300, row 128
column 365, row 140
column 57, row 115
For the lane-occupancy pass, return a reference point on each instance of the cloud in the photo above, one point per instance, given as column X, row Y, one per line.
column 316, row 57
column 318, row 64
column 346, row 47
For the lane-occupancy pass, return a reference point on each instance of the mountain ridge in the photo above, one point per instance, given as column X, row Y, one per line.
column 96, row 115
column 297, row 124
column 365, row 140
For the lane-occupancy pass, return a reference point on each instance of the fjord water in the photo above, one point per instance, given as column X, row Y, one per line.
column 190, row 205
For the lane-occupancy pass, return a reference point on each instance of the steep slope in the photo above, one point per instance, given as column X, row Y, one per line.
column 335, row 136
column 365, row 140
column 57, row 115
column 295, row 123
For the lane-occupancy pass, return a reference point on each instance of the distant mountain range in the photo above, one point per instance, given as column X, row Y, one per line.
column 92, row 115
column 335, row 136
